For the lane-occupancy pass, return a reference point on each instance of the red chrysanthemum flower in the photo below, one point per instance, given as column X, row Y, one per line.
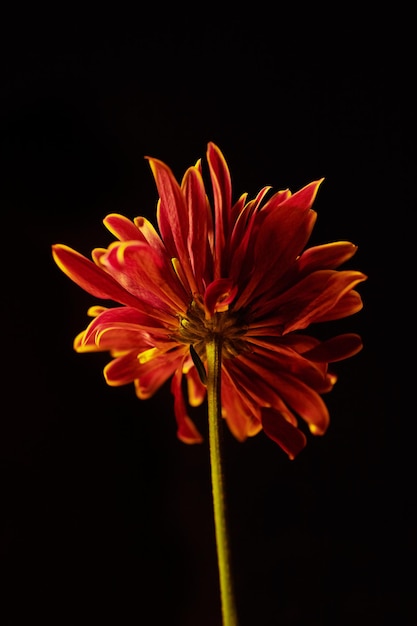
column 241, row 272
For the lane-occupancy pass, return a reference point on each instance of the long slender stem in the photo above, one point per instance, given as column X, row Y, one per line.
column 213, row 352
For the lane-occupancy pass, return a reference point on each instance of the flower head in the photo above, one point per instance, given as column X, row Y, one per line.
column 239, row 271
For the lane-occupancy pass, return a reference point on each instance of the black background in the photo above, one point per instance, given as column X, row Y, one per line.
column 105, row 516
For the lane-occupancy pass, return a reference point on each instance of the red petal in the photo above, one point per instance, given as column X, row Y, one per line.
column 289, row 438
column 348, row 304
column 153, row 374
column 310, row 298
column 149, row 234
column 222, row 194
column 238, row 408
column 219, row 294
column 257, row 390
column 271, row 358
column 173, row 218
column 200, row 226
column 122, row 370
column 336, row 349
column 280, row 240
column 326, row 256
column 89, row 277
column 126, row 316
column 195, row 388
column 186, row 432
column 339, row 283
column 145, row 273
column 306, row 402
column 122, row 228
column 172, row 213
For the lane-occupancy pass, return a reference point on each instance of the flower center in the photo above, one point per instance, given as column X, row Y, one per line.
column 196, row 330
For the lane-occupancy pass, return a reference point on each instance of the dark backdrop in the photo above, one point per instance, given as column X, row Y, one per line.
column 105, row 516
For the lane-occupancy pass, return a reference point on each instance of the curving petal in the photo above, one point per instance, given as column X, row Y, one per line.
column 80, row 346
column 186, row 430
column 306, row 402
column 146, row 274
column 275, row 201
column 125, row 337
column 219, row 295
column 195, row 389
column 154, row 373
column 89, row 277
column 200, row 226
column 280, row 240
column 238, row 409
column 172, row 216
column 349, row 303
column 336, row 349
column 122, row 228
column 309, row 299
column 122, row 370
column 339, row 284
column 270, row 358
column 282, row 236
column 259, row 391
column 149, row 233
column 287, row 436
column 127, row 317
column 222, row 195
column 172, row 212
column 244, row 231
column 326, row 256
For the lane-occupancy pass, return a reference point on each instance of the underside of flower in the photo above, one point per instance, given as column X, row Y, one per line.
column 197, row 330
column 237, row 275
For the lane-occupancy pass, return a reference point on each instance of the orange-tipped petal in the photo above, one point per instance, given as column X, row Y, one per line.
column 222, row 194
column 327, row 256
column 122, row 228
column 90, row 277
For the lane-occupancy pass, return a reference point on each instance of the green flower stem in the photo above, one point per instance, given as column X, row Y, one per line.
column 213, row 352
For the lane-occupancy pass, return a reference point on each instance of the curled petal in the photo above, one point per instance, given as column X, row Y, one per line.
column 80, row 344
column 219, row 295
